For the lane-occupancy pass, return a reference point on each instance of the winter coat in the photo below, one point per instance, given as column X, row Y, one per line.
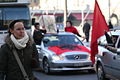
column 72, row 29
column 86, row 28
column 38, row 35
column 8, row 64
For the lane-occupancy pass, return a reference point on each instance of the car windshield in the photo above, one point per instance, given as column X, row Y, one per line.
column 58, row 40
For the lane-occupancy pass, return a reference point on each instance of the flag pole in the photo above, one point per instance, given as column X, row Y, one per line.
column 65, row 13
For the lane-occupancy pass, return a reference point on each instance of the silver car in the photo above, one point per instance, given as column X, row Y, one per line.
column 63, row 51
column 107, row 62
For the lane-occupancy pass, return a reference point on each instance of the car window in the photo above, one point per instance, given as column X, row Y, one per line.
column 109, row 39
column 58, row 40
column 52, row 38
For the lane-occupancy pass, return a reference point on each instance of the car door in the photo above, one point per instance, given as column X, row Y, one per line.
column 115, row 65
column 107, row 62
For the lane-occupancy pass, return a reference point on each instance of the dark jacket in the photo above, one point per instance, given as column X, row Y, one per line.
column 8, row 64
column 38, row 35
column 86, row 28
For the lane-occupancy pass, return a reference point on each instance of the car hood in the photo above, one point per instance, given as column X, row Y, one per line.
column 68, row 48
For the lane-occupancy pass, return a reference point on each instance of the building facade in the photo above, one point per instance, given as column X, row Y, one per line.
column 110, row 8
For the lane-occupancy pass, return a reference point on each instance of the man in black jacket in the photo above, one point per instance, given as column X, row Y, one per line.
column 86, row 30
column 38, row 33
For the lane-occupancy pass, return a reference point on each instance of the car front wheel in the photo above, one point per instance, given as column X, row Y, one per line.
column 46, row 66
column 100, row 73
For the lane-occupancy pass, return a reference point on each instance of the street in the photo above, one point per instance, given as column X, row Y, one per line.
column 69, row 75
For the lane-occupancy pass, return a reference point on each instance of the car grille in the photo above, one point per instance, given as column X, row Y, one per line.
column 76, row 57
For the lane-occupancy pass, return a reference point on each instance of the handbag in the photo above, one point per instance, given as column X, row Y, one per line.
column 20, row 65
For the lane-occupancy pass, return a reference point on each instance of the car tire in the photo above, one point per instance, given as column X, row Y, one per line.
column 100, row 73
column 46, row 66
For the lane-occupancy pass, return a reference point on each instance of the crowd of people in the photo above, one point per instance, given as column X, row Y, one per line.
column 20, row 49
column 23, row 45
column 39, row 32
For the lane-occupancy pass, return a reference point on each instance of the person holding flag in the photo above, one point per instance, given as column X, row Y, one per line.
column 38, row 33
column 99, row 27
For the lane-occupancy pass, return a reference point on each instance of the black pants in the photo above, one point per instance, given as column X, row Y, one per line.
column 87, row 36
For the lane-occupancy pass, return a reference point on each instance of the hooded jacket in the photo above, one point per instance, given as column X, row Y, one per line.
column 8, row 64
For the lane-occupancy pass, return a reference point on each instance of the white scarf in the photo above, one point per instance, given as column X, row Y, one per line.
column 20, row 43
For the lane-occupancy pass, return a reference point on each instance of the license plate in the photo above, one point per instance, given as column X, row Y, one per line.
column 78, row 64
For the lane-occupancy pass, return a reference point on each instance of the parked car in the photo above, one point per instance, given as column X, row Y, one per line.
column 107, row 62
column 63, row 51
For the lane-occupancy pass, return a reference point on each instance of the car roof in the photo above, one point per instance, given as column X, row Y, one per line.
column 111, row 33
column 116, row 33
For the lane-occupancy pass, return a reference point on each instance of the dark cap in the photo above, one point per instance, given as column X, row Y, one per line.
column 11, row 25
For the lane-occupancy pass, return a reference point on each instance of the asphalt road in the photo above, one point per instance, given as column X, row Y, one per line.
column 68, row 75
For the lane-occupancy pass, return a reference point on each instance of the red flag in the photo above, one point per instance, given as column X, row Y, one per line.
column 99, row 27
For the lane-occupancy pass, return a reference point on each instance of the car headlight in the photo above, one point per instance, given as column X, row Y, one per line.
column 55, row 57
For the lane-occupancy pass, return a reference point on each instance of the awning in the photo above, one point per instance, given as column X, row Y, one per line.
column 78, row 16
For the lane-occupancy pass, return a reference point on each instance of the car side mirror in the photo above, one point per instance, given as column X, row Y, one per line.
column 101, row 43
column 46, row 41
column 37, row 46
